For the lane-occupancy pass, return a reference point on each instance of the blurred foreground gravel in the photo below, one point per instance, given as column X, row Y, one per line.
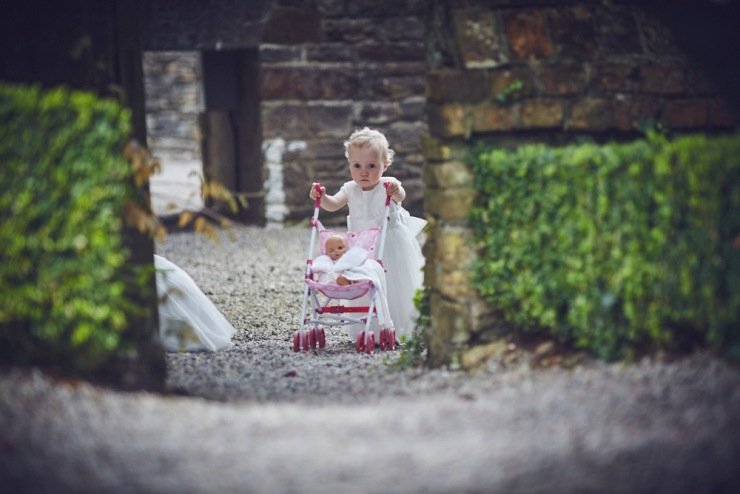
column 259, row 418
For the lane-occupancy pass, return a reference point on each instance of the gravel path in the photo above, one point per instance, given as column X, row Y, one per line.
column 261, row 419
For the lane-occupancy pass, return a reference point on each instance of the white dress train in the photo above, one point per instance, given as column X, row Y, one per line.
column 402, row 256
column 188, row 320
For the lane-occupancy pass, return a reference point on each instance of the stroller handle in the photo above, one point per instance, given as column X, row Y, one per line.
column 387, row 185
column 317, row 201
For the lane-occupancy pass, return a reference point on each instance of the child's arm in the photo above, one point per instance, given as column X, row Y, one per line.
column 395, row 189
column 329, row 203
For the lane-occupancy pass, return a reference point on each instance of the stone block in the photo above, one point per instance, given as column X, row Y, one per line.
column 562, row 79
column 307, row 83
column 448, row 329
column 478, row 355
column 573, row 32
column 413, row 108
column 297, row 120
column 451, row 174
column 511, row 84
column 686, row 114
column 433, row 149
column 402, row 28
column 448, row 120
column 541, row 114
column 449, row 204
column 527, row 35
column 390, row 51
column 631, row 113
column 617, row 77
column 617, row 30
column 721, row 114
column 480, row 41
column 405, row 137
column 666, row 79
column 493, row 117
column 372, row 85
column 593, row 114
column 329, row 53
column 378, row 112
column 452, row 86
column 279, row 54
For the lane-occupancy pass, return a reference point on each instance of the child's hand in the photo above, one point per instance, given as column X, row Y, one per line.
column 392, row 187
column 314, row 192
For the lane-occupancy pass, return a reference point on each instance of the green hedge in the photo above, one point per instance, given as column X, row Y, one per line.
column 62, row 189
column 613, row 247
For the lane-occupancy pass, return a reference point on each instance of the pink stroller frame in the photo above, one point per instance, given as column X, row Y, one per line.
column 322, row 295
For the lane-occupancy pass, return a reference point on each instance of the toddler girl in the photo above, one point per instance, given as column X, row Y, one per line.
column 369, row 156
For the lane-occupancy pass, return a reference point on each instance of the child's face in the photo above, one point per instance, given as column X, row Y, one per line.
column 335, row 248
column 365, row 166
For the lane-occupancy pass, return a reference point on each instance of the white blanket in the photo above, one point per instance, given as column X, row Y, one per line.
column 356, row 265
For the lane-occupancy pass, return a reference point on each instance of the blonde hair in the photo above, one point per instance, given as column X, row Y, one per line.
column 373, row 138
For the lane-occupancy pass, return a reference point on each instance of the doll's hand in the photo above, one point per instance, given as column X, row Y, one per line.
column 317, row 190
column 341, row 280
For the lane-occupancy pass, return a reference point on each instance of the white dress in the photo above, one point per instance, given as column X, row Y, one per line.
column 188, row 320
column 402, row 255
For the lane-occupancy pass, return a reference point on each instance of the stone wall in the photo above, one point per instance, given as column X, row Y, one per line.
column 172, row 82
column 510, row 72
column 329, row 67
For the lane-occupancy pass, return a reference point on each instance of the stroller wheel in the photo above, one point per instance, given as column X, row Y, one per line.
column 312, row 338
column 391, row 339
column 383, row 339
column 370, row 342
column 305, row 340
column 296, row 341
column 321, row 337
column 360, row 342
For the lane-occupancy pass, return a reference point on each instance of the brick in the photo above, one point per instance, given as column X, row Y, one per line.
column 492, row 117
column 662, row 79
column 448, row 120
column 453, row 86
column 280, row 54
column 686, row 114
column 479, row 40
column 591, row 114
column 541, row 113
column 562, row 79
column 527, row 35
column 573, row 32
column 631, row 114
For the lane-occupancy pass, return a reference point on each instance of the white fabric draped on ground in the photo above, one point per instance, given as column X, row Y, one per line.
column 188, row 320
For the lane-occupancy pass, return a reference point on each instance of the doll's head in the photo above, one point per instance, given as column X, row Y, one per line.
column 335, row 247
column 369, row 156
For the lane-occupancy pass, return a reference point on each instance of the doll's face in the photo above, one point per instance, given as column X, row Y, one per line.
column 365, row 166
column 335, row 248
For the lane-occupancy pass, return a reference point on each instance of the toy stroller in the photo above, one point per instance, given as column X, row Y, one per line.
column 323, row 296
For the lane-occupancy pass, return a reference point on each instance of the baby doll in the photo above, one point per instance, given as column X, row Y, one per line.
column 343, row 265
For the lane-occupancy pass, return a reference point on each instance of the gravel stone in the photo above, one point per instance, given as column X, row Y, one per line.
column 260, row 418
